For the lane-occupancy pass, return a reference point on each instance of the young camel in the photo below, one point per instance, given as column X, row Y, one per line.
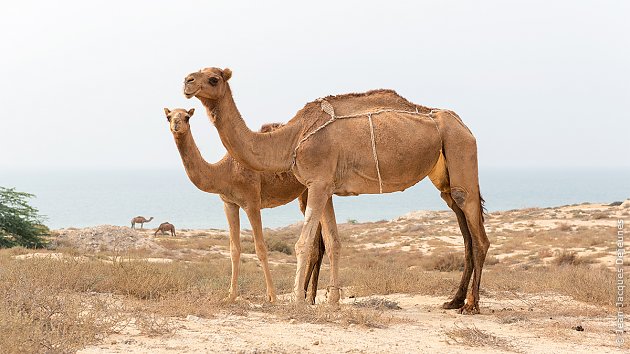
column 165, row 226
column 241, row 187
column 139, row 220
column 373, row 142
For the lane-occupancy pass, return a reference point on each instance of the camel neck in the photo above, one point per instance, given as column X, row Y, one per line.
column 270, row 152
column 205, row 176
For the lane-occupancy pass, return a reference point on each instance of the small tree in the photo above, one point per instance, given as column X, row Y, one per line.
column 20, row 223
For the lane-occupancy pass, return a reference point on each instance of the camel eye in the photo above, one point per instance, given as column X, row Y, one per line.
column 213, row 81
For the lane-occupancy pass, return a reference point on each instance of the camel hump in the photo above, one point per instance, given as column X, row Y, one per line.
column 269, row 127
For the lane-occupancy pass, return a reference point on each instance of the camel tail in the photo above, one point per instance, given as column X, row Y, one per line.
column 482, row 207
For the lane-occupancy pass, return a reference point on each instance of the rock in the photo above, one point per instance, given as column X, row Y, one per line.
column 578, row 328
column 316, row 342
column 615, row 204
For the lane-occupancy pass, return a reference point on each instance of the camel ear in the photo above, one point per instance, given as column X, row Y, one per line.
column 227, row 74
column 191, row 112
column 167, row 111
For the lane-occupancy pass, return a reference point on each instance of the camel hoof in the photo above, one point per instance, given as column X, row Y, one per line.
column 453, row 304
column 271, row 299
column 310, row 300
column 469, row 309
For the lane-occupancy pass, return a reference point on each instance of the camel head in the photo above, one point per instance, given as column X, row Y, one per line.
column 210, row 83
column 178, row 119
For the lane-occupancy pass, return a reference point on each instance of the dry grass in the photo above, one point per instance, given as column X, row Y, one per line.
column 565, row 257
column 446, row 262
column 343, row 315
column 564, row 227
column 474, row 337
column 42, row 316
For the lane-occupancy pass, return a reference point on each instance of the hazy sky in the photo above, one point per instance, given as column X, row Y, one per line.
column 540, row 83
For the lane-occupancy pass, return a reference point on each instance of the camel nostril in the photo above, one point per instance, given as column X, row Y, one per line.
column 190, row 79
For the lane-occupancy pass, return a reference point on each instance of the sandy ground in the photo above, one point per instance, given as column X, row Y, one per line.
column 508, row 323
column 423, row 327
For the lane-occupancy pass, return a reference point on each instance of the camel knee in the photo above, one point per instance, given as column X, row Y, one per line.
column 459, row 196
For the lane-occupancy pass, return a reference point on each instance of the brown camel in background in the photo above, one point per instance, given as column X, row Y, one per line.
column 373, row 142
column 139, row 220
column 241, row 187
column 164, row 227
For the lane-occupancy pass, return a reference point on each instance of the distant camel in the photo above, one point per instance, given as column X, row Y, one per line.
column 139, row 220
column 240, row 187
column 164, row 227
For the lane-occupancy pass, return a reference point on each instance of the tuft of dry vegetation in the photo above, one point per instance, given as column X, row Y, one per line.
column 446, row 263
column 564, row 227
column 472, row 336
column 565, row 257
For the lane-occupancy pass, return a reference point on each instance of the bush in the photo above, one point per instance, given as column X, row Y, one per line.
column 20, row 223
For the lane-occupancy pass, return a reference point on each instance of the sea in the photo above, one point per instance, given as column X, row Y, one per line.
column 88, row 198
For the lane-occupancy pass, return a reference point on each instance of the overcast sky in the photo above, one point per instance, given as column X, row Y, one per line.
column 540, row 83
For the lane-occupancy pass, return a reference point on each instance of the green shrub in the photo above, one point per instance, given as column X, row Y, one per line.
column 20, row 223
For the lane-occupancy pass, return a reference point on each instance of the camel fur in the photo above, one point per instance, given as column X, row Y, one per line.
column 241, row 187
column 339, row 159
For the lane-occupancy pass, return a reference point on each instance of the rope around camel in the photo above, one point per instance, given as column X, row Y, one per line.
column 328, row 108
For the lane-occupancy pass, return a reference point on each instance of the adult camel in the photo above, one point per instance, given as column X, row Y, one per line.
column 365, row 143
column 240, row 187
column 139, row 220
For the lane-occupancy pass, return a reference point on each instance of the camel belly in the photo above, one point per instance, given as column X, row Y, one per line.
column 406, row 151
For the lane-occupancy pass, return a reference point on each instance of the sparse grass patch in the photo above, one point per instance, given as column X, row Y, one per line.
column 491, row 260
column 344, row 315
column 277, row 244
column 474, row 337
column 39, row 315
column 378, row 304
column 564, row 227
column 448, row 262
column 247, row 245
column 565, row 257
column 375, row 276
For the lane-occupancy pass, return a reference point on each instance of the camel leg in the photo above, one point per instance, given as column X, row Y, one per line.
column 261, row 249
column 480, row 244
column 464, row 188
column 314, row 265
column 231, row 212
column 460, row 296
column 173, row 232
column 315, row 259
column 142, row 225
column 333, row 245
column 318, row 195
